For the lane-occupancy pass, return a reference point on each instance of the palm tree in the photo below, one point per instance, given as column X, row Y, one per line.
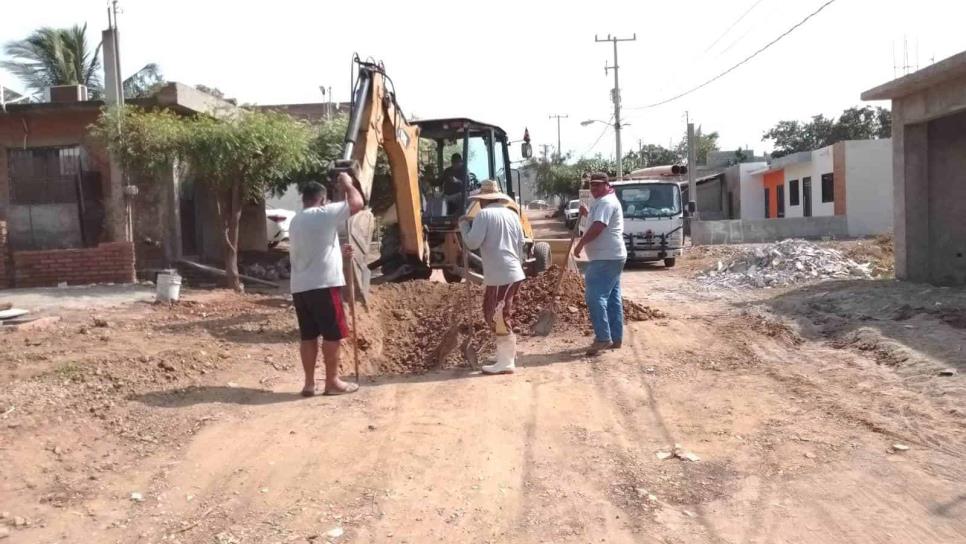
column 55, row 56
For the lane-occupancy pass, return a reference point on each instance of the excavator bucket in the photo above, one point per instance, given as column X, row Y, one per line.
column 357, row 233
column 359, row 229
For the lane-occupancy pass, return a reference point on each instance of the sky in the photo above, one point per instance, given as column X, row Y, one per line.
column 515, row 63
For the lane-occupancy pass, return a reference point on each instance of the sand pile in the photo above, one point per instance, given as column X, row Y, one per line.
column 406, row 321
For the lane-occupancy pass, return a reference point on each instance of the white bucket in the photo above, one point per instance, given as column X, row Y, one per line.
column 168, row 287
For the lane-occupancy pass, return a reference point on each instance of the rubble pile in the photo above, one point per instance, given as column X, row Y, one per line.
column 784, row 263
column 281, row 270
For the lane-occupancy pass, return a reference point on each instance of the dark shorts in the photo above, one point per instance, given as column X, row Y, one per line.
column 320, row 313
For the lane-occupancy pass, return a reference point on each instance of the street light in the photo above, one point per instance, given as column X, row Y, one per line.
column 589, row 122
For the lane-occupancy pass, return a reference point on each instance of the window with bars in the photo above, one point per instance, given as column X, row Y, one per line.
column 46, row 175
column 55, row 201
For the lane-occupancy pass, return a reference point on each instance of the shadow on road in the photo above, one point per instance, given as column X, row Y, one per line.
column 251, row 328
column 945, row 509
column 190, row 396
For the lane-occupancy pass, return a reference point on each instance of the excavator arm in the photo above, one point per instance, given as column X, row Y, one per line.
column 377, row 121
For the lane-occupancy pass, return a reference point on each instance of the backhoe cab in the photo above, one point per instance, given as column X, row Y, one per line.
column 457, row 155
column 435, row 166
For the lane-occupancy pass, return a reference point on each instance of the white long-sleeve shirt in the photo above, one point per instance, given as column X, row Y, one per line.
column 498, row 234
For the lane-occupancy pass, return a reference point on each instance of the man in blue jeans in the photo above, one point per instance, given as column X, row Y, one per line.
column 604, row 242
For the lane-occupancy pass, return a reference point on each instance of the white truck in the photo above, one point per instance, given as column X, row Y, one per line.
column 653, row 219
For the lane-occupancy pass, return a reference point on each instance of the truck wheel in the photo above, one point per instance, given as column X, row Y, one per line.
column 452, row 277
column 542, row 257
column 670, row 262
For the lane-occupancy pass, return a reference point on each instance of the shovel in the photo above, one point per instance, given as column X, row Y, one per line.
column 469, row 352
column 548, row 316
column 450, row 337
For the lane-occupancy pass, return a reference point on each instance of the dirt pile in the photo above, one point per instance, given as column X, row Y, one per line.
column 404, row 323
column 784, row 263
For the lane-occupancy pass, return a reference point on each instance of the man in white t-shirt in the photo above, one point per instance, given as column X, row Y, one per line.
column 317, row 280
column 498, row 233
column 604, row 242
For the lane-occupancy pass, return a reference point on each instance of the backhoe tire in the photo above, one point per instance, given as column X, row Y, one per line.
column 452, row 277
column 670, row 262
column 542, row 257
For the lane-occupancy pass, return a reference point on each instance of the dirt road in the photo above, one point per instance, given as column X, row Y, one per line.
column 181, row 425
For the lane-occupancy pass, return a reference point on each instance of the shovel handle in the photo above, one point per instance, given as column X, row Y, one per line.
column 570, row 250
column 352, row 307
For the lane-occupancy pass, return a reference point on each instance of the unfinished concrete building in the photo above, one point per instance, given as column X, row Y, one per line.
column 929, row 171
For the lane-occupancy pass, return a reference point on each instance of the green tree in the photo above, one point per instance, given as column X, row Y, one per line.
column 238, row 157
column 146, row 142
column 704, row 144
column 853, row 124
column 555, row 177
column 145, row 82
column 54, row 56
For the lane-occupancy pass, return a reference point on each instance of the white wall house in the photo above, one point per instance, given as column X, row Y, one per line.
column 851, row 179
column 752, row 203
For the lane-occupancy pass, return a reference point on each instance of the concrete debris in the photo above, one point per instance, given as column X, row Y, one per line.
column 226, row 538
column 678, row 452
column 335, row 533
column 281, row 270
column 137, row 497
column 900, row 447
column 784, row 263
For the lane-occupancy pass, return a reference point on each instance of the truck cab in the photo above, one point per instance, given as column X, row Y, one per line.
column 653, row 219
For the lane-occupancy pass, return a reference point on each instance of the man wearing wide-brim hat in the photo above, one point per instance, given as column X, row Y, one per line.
column 498, row 233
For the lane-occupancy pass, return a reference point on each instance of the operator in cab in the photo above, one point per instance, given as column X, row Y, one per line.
column 498, row 233
column 452, row 182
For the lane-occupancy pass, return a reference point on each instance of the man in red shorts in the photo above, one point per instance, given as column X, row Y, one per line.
column 498, row 233
column 317, row 280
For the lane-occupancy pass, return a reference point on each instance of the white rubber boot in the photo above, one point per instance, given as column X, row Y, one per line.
column 506, row 350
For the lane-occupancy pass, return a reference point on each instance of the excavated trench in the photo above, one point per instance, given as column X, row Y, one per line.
column 404, row 323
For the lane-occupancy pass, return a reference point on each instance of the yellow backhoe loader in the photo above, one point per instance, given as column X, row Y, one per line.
column 421, row 231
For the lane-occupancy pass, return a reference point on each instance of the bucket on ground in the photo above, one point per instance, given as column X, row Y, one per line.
column 168, row 287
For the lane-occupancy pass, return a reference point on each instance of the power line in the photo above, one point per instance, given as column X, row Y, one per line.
column 734, row 24
column 736, row 66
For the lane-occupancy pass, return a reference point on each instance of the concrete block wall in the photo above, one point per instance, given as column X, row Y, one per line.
column 750, row 231
column 111, row 262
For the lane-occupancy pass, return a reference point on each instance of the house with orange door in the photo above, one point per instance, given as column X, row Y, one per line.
column 851, row 179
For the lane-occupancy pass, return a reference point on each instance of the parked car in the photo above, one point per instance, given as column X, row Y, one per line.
column 537, row 205
column 571, row 213
column 276, row 223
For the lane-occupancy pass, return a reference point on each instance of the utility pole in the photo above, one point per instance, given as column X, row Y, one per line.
column 692, row 166
column 544, row 146
column 616, row 95
column 558, row 117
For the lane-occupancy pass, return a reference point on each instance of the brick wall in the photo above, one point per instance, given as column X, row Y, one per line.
column 111, row 262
